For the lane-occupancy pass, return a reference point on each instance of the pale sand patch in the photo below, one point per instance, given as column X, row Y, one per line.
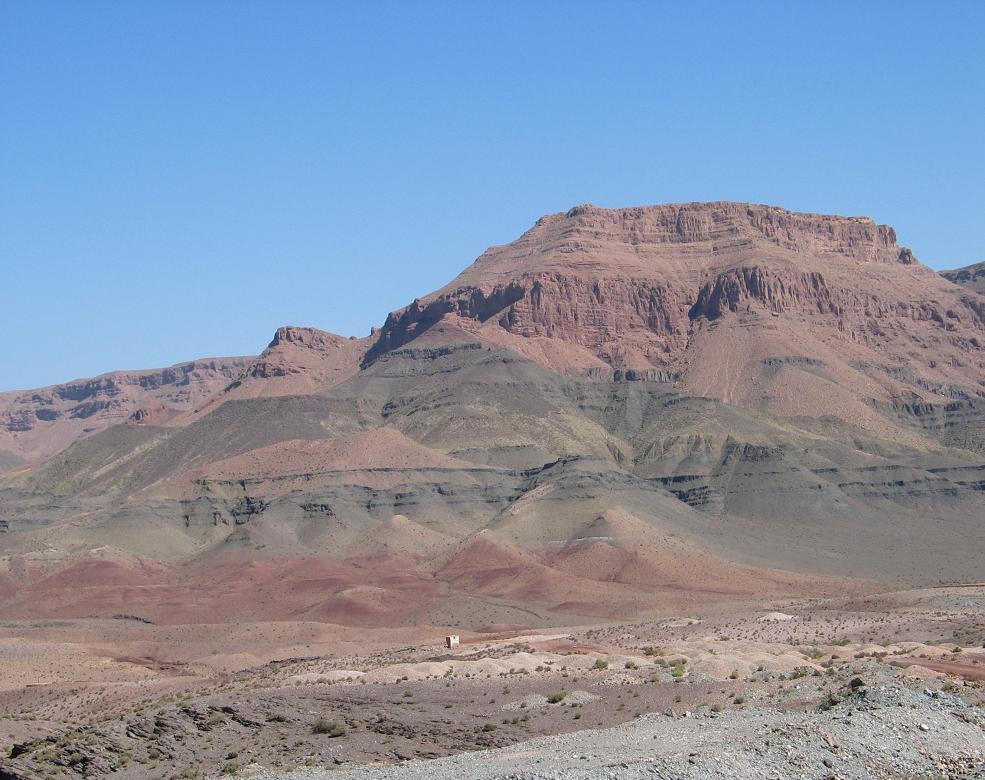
column 775, row 617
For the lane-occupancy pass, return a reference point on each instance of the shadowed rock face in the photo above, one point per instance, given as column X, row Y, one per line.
column 743, row 399
column 972, row 277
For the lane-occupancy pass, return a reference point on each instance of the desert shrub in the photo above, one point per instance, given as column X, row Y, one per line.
column 600, row 664
column 557, row 698
column 329, row 727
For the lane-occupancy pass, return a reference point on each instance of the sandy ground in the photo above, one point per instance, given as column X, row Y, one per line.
column 135, row 700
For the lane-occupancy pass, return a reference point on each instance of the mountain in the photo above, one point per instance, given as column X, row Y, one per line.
column 622, row 412
column 35, row 424
column 794, row 314
column 971, row 277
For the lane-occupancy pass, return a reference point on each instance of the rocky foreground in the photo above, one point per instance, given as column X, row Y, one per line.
column 884, row 731
column 884, row 686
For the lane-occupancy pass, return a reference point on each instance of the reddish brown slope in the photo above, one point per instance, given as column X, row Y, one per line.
column 799, row 313
column 35, row 424
column 299, row 361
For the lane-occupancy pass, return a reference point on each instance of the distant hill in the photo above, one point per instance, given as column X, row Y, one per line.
column 971, row 276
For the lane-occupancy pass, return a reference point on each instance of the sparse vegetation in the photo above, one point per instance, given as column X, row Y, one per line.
column 329, row 728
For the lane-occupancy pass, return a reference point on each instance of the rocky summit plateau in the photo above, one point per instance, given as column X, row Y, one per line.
column 702, row 442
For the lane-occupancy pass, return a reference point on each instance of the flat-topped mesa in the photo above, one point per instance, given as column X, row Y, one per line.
column 625, row 282
column 710, row 293
column 681, row 238
column 691, row 223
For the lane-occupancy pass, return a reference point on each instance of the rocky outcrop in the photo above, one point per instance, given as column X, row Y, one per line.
column 470, row 303
column 297, row 361
column 606, row 315
column 971, row 277
column 35, row 424
column 779, row 291
column 774, row 291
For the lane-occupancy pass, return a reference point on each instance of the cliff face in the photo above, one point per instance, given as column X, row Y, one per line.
column 710, row 291
column 298, row 361
column 796, row 314
column 37, row 423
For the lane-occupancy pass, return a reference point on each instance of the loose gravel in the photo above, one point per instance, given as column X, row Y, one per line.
column 883, row 731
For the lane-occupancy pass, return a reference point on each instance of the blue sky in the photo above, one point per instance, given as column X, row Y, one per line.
column 177, row 179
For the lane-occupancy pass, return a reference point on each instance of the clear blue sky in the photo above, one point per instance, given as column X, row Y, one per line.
column 177, row 179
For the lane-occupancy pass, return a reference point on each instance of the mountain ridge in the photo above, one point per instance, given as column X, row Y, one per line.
column 970, row 276
column 655, row 290
column 776, row 403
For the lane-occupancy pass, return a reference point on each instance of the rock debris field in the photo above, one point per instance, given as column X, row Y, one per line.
column 881, row 731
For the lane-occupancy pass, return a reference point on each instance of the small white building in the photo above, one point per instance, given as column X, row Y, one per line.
column 451, row 641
